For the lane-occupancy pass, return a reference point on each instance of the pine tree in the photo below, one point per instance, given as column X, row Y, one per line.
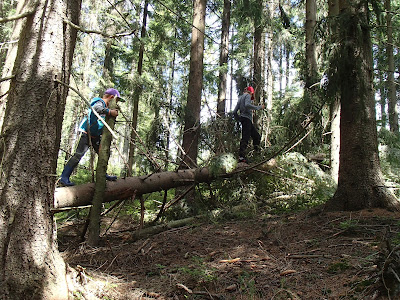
column 30, row 261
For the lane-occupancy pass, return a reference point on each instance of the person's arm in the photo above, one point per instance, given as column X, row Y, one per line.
column 101, row 109
column 249, row 106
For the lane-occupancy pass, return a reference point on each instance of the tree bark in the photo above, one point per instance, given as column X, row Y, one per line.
column 137, row 92
column 191, row 132
column 259, row 45
column 391, row 85
column 193, row 106
column 30, row 264
column 360, row 182
column 311, row 53
column 269, row 40
column 335, row 105
column 100, row 185
column 82, row 195
column 8, row 66
column 223, row 58
column 334, row 111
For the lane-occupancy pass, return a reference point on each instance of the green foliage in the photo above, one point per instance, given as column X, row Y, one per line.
column 220, row 135
column 338, row 267
column 199, row 271
column 7, row 8
column 247, row 284
column 223, row 164
column 296, row 184
column 389, row 153
column 348, row 225
column 299, row 184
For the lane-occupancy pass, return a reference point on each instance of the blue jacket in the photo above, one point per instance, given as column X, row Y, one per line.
column 96, row 126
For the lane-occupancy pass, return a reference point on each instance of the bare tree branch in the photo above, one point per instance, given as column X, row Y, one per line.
column 97, row 31
column 16, row 17
column 7, row 78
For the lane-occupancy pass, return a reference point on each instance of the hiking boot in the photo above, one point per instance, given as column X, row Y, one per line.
column 64, row 179
column 65, row 182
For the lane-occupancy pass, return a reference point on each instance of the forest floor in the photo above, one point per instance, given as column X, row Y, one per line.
column 305, row 255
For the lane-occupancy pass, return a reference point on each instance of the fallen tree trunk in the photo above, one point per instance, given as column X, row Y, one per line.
column 82, row 195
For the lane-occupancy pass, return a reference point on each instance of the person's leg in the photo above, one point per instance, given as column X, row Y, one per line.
column 83, row 146
column 246, row 133
column 256, row 137
column 96, row 143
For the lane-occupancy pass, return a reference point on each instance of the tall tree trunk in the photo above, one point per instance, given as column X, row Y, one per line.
column 335, row 106
column 360, row 183
column 11, row 55
column 280, row 62
column 167, row 119
column 269, row 72
column 311, row 53
column 335, row 137
column 392, row 99
column 193, row 106
column 288, row 50
column 137, row 91
column 259, row 46
column 223, row 58
column 30, row 264
column 382, row 91
column 258, row 52
column 191, row 131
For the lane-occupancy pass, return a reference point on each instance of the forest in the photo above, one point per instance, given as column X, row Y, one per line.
column 162, row 206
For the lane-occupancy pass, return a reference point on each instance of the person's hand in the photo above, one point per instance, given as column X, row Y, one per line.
column 262, row 106
column 113, row 112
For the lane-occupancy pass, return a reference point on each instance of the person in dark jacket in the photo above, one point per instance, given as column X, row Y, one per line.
column 91, row 129
column 245, row 106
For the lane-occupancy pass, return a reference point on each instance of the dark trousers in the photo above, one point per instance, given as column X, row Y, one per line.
column 248, row 131
column 83, row 146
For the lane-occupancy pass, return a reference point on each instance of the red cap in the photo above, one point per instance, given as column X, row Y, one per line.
column 251, row 91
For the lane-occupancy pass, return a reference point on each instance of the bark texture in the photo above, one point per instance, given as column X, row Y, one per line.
column 333, row 8
column 30, row 264
column 100, row 185
column 391, row 84
column 7, row 71
column 223, row 58
column 193, row 106
column 360, row 182
column 311, row 52
column 137, row 92
column 124, row 188
column 259, row 46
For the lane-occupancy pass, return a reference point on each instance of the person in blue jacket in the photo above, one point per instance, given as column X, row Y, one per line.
column 93, row 126
column 245, row 106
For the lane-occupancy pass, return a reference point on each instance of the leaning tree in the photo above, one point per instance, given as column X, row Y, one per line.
column 30, row 264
